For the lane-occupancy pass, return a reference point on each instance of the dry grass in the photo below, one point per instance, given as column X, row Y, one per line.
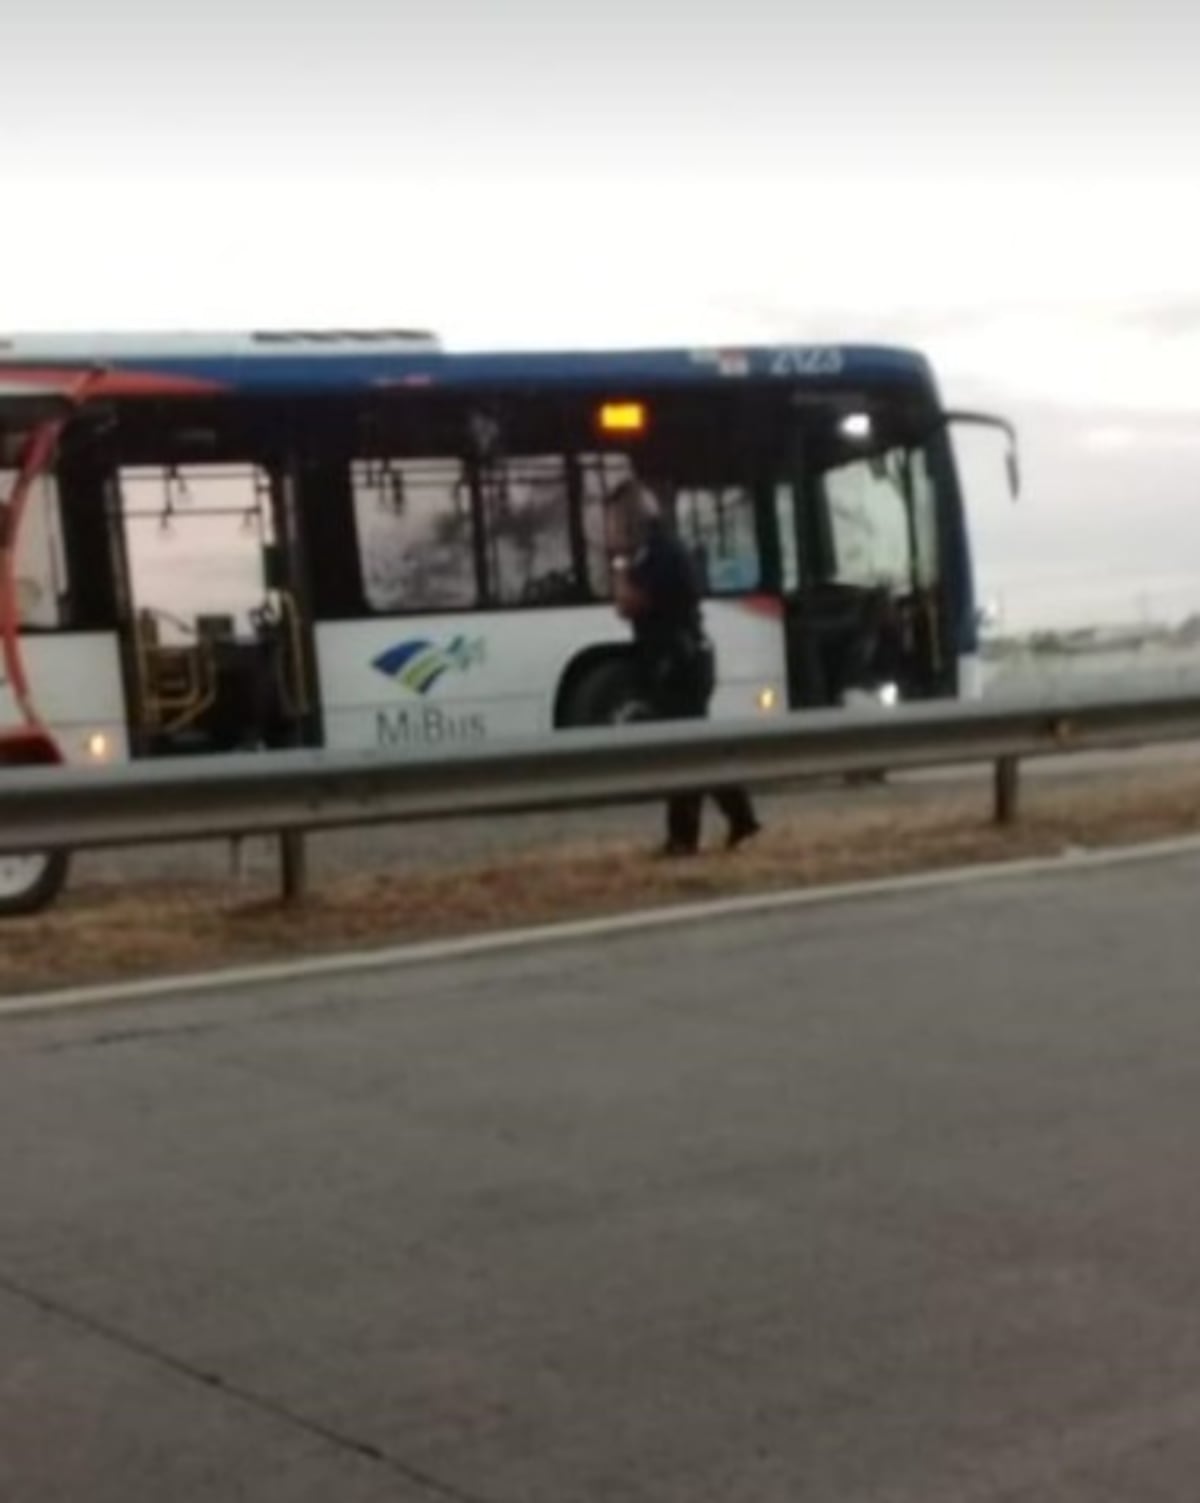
column 101, row 931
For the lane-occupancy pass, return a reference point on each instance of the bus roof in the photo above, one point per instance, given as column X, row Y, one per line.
column 279, row 365
column 252, row 343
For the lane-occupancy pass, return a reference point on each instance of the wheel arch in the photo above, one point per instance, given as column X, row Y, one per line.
column 579, row 668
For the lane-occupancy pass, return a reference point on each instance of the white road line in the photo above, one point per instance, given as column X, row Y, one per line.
column 363, row 961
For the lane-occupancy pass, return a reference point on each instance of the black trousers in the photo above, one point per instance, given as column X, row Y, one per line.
column 678, row 686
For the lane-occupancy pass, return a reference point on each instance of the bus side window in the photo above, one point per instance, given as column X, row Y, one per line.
column 526, row 516
column 43, row 600
column 717, row 526
column 599, row 477
column 415, row 534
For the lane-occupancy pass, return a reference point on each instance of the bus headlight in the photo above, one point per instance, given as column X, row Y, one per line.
column 99, row 747
column 889, row 695
column 767, row 699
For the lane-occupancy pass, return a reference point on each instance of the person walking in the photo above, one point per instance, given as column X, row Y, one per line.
column 655, row 590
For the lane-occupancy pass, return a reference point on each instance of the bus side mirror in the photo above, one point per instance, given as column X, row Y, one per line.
column 1002, row 425
column 1012, row 464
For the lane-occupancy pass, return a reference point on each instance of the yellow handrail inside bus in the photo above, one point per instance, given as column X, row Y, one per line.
column 294, row 694
column 169, row 709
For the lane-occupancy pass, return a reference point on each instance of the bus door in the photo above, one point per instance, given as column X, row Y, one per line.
column 818, row 622
column 859, row 558
column 218, row 642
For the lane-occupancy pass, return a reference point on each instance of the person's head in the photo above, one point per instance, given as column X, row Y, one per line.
column 629, row 511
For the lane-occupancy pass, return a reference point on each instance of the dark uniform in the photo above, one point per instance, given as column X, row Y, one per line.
column 677, row 673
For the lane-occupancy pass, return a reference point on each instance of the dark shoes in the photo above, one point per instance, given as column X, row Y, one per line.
column 741, row 833
column 738, row 835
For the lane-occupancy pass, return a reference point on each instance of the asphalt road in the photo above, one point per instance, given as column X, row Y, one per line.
column 889, row 1202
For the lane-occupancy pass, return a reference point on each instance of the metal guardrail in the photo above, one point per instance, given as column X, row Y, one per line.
column 291, row 793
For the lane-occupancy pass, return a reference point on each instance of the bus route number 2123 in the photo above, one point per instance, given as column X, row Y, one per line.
column 808, row 360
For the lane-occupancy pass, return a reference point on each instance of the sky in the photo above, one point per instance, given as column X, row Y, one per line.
column 1013, row 189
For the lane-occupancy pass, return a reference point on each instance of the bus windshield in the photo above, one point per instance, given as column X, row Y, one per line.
column 883, row 520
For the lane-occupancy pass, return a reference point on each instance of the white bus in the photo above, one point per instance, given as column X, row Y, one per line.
column 359, row 540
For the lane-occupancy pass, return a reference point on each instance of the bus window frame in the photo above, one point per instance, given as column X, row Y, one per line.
column 571, row 418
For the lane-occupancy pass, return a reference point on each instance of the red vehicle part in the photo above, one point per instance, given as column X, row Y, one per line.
column 29, row 882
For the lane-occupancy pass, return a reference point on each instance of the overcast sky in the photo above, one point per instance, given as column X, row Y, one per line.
column 1012, row 187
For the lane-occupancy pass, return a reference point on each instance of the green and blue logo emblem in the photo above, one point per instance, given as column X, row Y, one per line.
column 418, row 664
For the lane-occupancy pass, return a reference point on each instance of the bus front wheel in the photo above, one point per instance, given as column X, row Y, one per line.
column 29, row 883
column 607, row 694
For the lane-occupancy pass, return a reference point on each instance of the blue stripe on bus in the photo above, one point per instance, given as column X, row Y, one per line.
column 329, row 373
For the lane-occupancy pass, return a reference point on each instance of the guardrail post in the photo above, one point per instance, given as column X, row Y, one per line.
column 1008, row 790
column 293, row 866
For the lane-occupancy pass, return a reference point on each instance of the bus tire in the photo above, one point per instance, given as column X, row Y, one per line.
column 606, row 694
column 30, row 883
